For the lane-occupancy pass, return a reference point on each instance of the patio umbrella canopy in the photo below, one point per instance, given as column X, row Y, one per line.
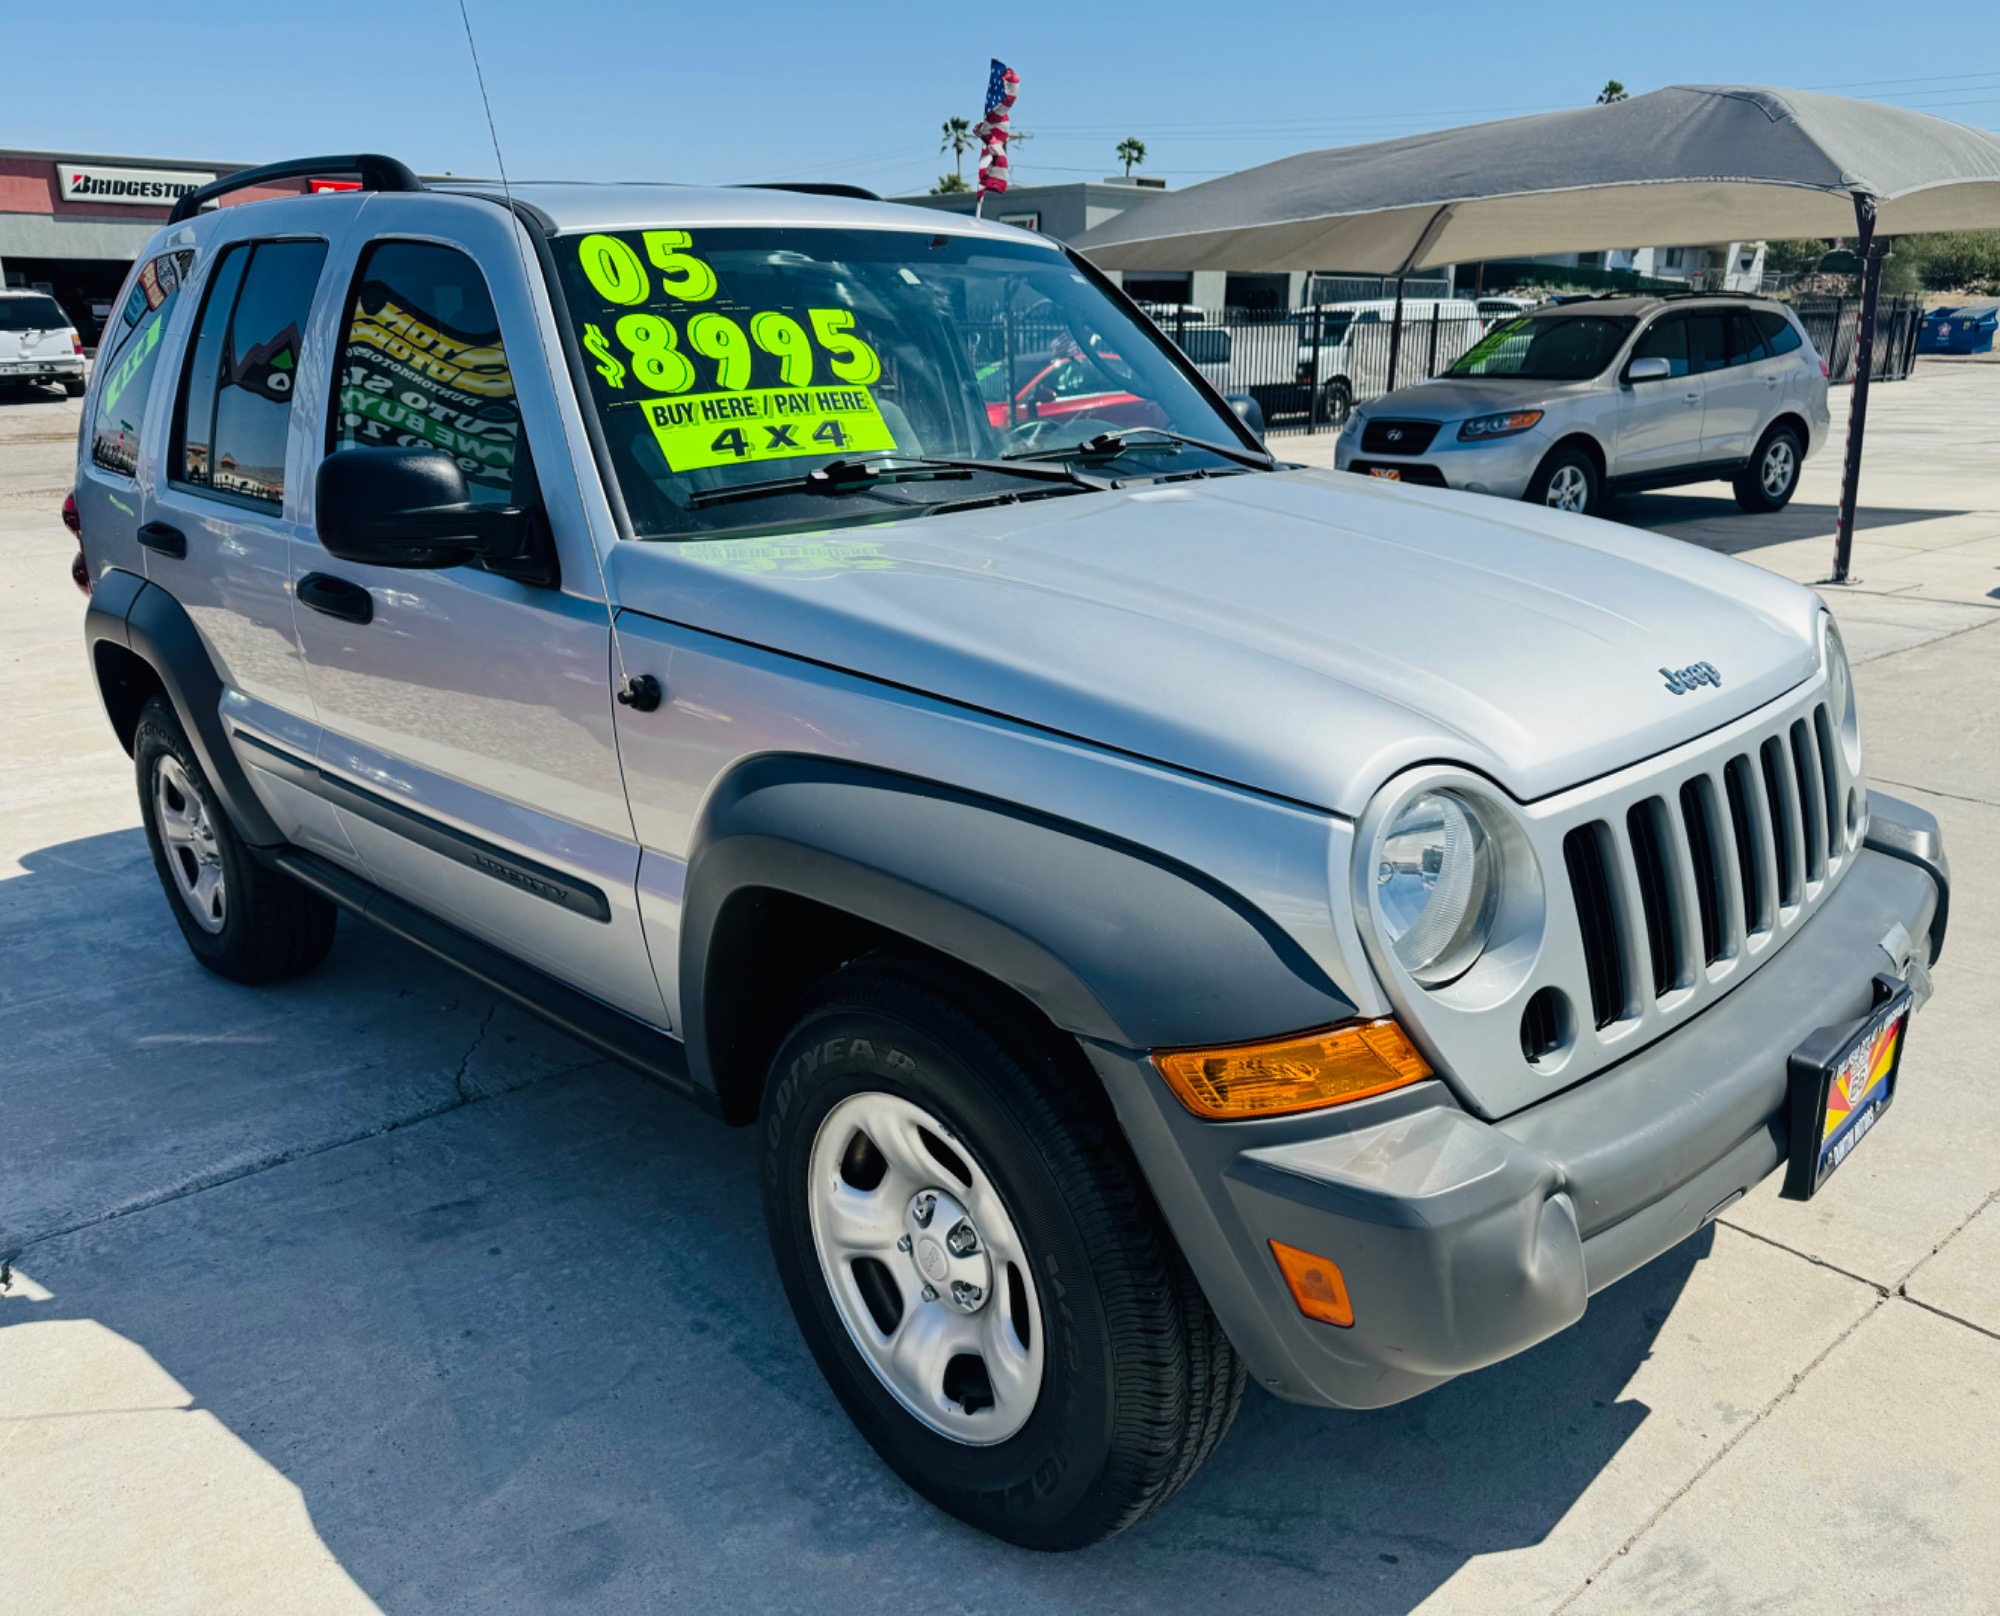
column 1694, row 162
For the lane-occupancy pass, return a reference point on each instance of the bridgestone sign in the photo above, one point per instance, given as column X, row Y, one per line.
column 128, row 187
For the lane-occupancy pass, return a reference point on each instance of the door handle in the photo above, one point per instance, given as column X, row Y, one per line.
column 169, row 541
column 336, row 597
column 1692, row 398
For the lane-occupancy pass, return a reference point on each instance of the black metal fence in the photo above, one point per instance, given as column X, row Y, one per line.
column 1307, row 368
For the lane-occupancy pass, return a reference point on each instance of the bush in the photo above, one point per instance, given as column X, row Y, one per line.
column 1956, row 258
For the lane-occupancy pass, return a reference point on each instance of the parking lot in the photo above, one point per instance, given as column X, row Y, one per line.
column 369, row 1292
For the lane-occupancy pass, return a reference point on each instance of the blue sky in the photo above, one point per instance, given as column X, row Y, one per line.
column 809, row 89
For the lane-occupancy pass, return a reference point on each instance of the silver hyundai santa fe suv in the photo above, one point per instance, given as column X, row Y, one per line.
column 1171, row 917
column 1609, row 395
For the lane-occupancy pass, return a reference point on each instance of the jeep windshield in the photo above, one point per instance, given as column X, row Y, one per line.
column 1548, row 347
column 725, row 365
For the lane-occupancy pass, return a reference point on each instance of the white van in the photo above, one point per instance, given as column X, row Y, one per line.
column 1343, row 349
column 38, row 343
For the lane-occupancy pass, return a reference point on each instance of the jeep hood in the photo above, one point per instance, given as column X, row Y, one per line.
column 1303, row 633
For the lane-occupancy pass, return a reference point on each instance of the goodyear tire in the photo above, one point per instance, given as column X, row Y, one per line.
column 976, row 1263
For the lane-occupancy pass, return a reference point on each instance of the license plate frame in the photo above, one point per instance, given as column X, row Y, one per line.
column 1843, row 1078
column 1388, row 474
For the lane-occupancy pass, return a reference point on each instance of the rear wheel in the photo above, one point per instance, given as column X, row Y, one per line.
column 1566, row 481
column 976, row 1263
column 240, row 919
column 1771, row 478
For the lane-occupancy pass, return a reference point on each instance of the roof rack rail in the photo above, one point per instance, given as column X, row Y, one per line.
column 377, row 174
column 817, row 188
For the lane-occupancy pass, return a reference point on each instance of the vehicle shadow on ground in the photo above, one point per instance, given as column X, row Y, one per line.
column 529, row 1352
column 1717, row 522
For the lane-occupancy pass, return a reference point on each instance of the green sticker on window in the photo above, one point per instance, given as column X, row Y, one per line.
column 766, row 423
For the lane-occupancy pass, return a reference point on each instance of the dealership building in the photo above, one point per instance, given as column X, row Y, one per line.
column 71, row 224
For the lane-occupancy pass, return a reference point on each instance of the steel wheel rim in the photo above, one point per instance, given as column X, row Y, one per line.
column 1567, row 488
column 1779, row 465
column 193, row 856
column 870, row 1245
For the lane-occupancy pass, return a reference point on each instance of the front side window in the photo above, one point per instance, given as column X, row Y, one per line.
column 128, row 354
column 235, row 406
column 719, row 359
column 1548, row 347
column 422, row 366
column 1668, row 340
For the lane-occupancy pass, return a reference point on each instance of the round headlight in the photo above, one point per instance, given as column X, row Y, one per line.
column 1840, row 700
column 1437, row 881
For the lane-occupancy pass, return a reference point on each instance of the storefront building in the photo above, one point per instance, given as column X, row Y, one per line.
column 71, row 225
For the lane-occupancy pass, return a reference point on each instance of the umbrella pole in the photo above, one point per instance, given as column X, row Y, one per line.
column 1857, row 407
column 1396, row 335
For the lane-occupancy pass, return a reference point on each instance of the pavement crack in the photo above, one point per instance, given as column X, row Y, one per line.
column 1806, row 1256
column 458, row 1078
column 1721, row 1453
column 1955, row 1318
column 11, row 1249
column 1932, row 791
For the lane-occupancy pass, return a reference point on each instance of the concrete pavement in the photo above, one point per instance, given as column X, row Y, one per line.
column 368, row 1293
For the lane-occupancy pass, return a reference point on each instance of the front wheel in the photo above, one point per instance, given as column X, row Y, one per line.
column 976, row 1263
column 1566, row 481
column 1336, row 402
column 1771, row 478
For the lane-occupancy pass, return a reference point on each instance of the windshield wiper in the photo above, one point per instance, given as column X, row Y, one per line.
column 844, row 476
column 1109, row 445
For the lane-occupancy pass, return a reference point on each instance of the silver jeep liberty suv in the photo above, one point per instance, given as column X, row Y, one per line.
column 1173, row 917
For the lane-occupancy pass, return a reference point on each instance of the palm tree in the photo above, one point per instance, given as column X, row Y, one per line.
column 1131, row 150
column 958, row 141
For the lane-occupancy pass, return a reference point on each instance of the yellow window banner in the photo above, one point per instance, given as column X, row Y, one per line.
column 766, row 423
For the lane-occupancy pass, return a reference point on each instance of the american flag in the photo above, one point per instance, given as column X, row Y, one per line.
column 1002, row 85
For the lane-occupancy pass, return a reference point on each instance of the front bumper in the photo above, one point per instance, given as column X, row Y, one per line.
column 1502, row 467
column 1462, row 1241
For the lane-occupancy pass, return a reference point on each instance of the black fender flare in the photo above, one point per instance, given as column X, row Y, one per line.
column 1109, row 940
column 140, row 617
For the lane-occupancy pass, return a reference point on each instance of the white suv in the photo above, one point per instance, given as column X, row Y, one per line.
column 38, row 343
column 1580, row 400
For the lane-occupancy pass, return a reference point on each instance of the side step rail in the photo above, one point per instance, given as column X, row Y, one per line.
column 589, row 1021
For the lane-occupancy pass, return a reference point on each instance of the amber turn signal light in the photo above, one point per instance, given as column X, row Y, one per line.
column 1348, row 1062
column 1317, row 1285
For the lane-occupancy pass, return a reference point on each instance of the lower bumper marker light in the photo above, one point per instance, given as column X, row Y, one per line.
column 1317, row 1285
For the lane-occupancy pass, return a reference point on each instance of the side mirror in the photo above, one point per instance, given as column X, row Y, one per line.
column 1249, row 412
column 1649, row 370
column 411, row 508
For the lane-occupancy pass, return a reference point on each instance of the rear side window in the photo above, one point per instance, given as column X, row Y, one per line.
column 1780, row 335
column 1706, row 346
column 1667, row 339
column 1746, row 342
column 422, row 366
column 127, row 356
column 236, row 401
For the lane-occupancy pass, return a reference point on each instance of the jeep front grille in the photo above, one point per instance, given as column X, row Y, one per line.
column 1664, row 886
column 1698, row 869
